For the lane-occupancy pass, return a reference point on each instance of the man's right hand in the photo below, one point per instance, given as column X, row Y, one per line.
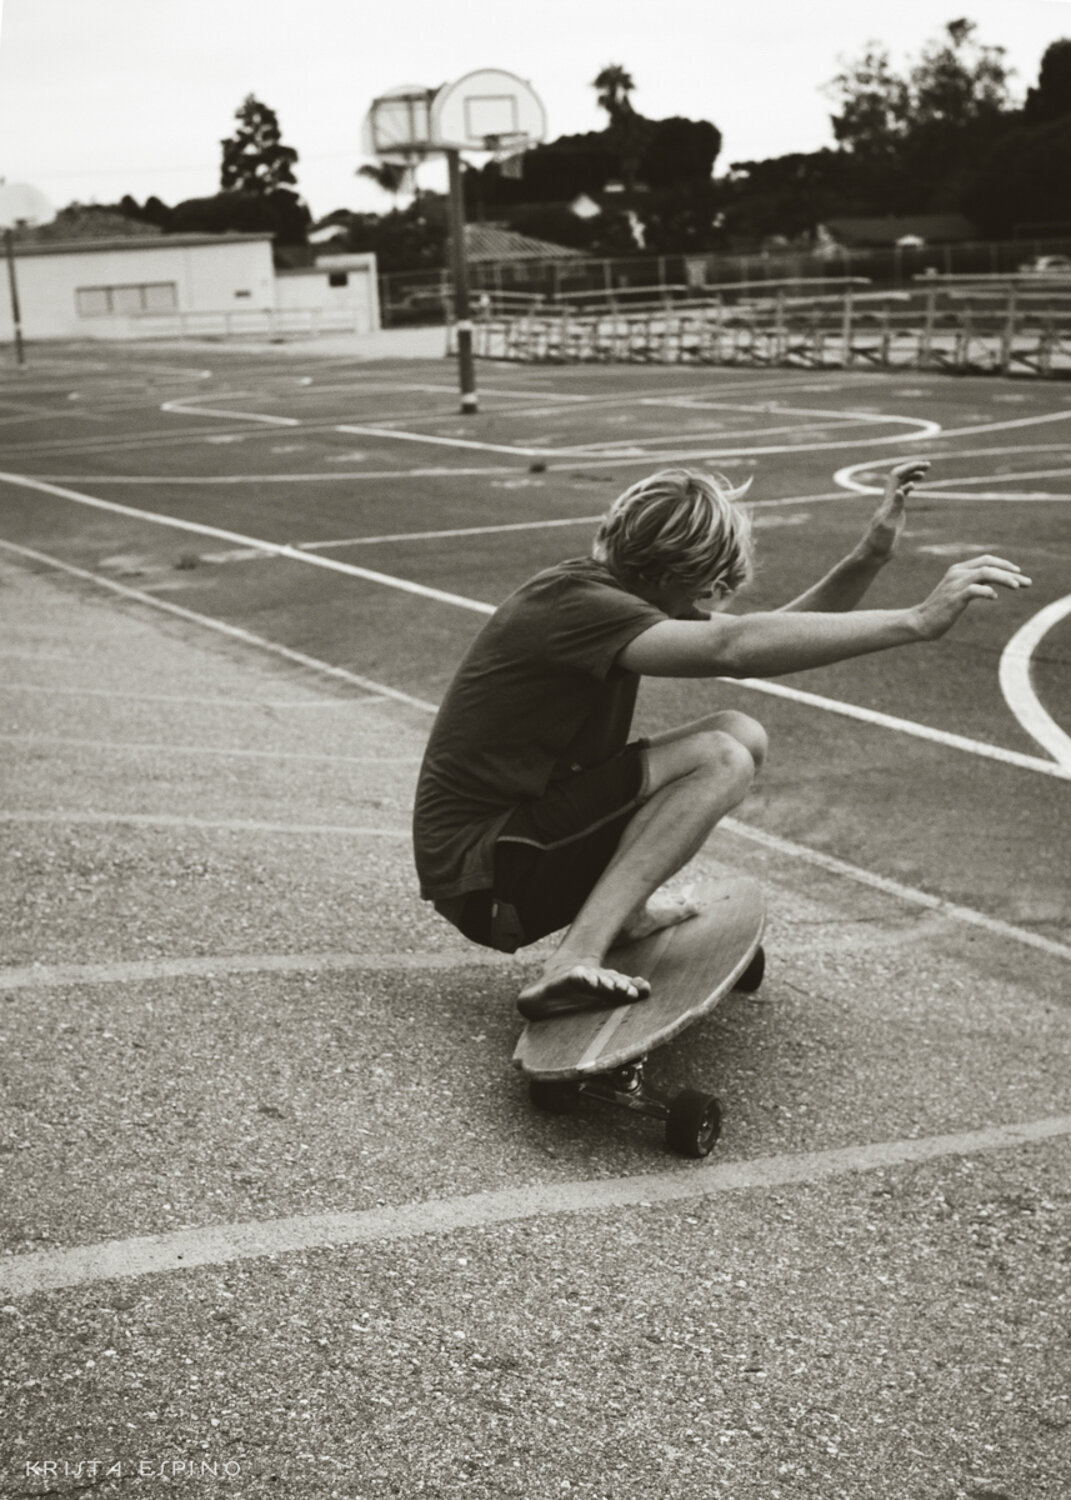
column 974, row 578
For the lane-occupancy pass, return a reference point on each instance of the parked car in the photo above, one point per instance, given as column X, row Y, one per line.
column 1048, row 265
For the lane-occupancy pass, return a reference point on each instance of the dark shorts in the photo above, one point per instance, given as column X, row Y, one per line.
column 551, row 853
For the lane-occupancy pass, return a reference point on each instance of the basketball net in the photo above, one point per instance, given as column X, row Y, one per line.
column 508, row 152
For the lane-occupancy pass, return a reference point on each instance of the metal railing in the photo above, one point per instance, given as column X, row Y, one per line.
column 267, row 322
column 1006, row 324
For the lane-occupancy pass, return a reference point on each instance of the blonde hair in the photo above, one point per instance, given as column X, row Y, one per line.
column 681, row 525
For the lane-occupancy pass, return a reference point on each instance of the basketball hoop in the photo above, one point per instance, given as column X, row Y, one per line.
column 490, row 112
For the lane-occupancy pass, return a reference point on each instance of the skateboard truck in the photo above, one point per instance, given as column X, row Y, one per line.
column 692, row 1118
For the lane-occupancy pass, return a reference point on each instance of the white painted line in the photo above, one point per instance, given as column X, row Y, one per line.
column 447, row 442
column 712, row 452
column 58, row 816
column 333, row 477
column 774, row 689
column 137, row 747
column 785, row 846
column 222, row 1244
column 935, row 489
column 904, row 726
column 1014, row 477
column 274, row 549
column 421, row 536
column 234, row 632
column 188, row 409
column 137, row 971
column 563, row 456
column 894, row 888
column 430, row 536
column 242, row 704
column 1018, row 689
column 975, row 428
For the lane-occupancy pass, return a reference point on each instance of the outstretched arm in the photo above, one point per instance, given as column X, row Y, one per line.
column 770, row 645
column 844, row 585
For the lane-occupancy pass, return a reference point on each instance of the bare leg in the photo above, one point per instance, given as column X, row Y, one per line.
column 695, row 776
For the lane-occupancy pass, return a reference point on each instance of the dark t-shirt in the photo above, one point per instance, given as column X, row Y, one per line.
column 536, row 697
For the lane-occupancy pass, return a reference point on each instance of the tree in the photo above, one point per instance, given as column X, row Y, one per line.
column 957, row 82
column 1023, row 181
column 874, row 105
column 1051, row 99
column 615, row 84
column 254, row 158
column 627, row 131
column 392, row 176
column 928, row 130
column 257, row 164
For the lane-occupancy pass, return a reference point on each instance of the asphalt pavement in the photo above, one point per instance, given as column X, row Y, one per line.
column 278, row 1217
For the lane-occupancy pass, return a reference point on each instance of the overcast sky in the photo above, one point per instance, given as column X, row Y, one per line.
column 104, row 97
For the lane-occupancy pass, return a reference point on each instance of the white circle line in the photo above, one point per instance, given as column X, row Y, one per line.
column 1018, row 688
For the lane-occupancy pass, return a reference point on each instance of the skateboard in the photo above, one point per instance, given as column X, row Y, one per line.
column 602, row 1054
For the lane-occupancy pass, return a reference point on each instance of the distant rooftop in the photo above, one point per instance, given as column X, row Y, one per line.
column 90, row 246
column 933, row 228
column 491, row 242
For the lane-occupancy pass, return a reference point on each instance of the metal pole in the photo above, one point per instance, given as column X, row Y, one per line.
column 459, row 263
column 16, row 315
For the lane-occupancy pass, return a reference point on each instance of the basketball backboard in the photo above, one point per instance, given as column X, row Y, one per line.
column 397, row 127
column 23, row 205
column 487, row 110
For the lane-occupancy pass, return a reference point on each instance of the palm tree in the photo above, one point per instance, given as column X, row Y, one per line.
column 615, row 84
column 392, row 176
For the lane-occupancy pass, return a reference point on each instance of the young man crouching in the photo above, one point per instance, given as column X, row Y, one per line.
column 534, row 811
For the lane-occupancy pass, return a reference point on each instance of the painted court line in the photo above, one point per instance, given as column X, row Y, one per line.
column 60, row 976
column 774, row 689
column 1018, row 689
column 271, row 549
column 772, row 841
column 243, row 704
column 223, row 1244
column 135, row 747
column 906, row 726
column 894, row 888
column 233, row 631
column 58, row 816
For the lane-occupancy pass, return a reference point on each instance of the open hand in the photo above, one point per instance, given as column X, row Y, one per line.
column 887, row 522
column 974, row 578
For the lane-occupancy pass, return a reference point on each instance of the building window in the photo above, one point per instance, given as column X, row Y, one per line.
column 102, row 301
column 338, row 278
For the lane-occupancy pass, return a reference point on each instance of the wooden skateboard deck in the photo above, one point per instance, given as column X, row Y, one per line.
column 601, row 1053
column 690, row 968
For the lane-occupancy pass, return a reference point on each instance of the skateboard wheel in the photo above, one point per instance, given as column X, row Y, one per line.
column 693, row 1124
column 751, row 978
column 557, row 1096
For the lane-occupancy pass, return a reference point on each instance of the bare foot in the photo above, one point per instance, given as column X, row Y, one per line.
column 661, row 910
column 564, row 989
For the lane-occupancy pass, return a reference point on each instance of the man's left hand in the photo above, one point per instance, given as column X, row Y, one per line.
column 887, row 522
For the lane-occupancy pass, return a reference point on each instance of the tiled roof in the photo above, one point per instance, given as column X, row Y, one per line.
column 491, row 242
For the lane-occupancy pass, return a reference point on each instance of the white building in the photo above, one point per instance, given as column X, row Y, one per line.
column 183, row 284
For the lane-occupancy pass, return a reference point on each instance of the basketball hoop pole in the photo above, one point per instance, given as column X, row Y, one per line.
column 13, row 288
column 459, row 265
